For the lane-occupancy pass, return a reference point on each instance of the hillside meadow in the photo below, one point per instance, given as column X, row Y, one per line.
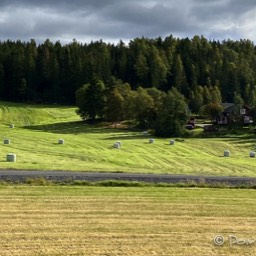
column 118, row 221
column 95, row 220
column 37, row 129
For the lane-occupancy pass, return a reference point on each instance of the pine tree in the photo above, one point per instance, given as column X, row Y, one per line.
column 179, row 76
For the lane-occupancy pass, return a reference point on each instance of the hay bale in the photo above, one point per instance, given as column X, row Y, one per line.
column 11, row 157
column 252, row 154
column 226, row 153
column 120, row 143
column 117, row 145
column 172, row 142
column 11, row 125
column 151, row 140
column 61, row 141
column 7, row 141
column 145, row 133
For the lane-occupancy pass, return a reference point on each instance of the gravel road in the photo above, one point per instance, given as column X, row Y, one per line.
column 23, row 175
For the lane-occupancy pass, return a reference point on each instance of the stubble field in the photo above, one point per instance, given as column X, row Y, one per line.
column 55, row 220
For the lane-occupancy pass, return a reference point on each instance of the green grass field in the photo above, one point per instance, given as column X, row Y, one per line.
column 147, row 221
column 119, row 221
column 34, row 140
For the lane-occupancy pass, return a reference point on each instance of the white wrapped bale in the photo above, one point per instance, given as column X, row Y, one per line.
column 252, row 154
column 11, row 157
column 151, row 140
column 172, row 142
column 61, row 141
column 120, row 143
column 226, row 153
column 117, row 145
column 7, row 141
column 11, row 125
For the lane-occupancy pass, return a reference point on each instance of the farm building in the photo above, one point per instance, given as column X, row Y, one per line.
column 229, row 115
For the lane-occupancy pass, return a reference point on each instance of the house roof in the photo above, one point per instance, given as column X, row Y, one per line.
column 228, row 108
column 227, row 105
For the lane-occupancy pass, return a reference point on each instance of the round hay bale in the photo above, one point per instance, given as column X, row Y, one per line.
column 7, row 141
column 145, row 133
column 61, row 141
column 117, row 145
column 172, row 142
column 226, row 153
column 151, row 140
column 120, row 143
column 11, row 125
column 11, row 157
column 252, row 154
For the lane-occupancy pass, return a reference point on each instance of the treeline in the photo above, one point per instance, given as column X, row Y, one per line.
column 199, row 69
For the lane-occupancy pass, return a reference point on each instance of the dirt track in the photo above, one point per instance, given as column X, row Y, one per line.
column 23, row 175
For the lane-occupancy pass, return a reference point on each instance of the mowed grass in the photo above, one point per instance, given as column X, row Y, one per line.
column 34, row 140
column 25, row 114
column 57, row 220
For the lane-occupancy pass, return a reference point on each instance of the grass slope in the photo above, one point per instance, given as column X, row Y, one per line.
column 120, row 221
column 37, row 129
column 24, row 114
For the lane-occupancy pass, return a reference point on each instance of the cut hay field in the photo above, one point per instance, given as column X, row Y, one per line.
column 37, row 129
column 97, row 221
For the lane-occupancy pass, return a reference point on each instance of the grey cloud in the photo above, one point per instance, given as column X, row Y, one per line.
column 67, row 5
column 149, row 21
column 223, row 19
column 119, row 19
column 221, row 9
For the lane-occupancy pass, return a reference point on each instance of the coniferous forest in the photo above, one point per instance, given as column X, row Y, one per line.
column 201, row 71
column 52, row 72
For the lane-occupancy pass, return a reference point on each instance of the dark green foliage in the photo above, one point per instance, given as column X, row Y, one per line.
column 196, row 101
column 114, row 111
column 238, row 101
column 211, row 110
column 90, row 100
column 149, row 108
column 144, row 108
column 172, row 116
column 52, row 72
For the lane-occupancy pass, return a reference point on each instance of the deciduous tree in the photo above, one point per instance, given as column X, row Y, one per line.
column 90, row 100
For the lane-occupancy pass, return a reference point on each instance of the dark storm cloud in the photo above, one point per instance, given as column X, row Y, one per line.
column 210, row 10
column 112, row 20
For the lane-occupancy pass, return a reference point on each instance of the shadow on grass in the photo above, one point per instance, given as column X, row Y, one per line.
column 126, row 136
column 35, row 105
column 76, row 127
column 81, row 127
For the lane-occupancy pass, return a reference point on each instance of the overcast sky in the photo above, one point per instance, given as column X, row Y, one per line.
column 114, row 20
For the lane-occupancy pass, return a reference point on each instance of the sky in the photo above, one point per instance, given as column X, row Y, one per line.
column 115, row 20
